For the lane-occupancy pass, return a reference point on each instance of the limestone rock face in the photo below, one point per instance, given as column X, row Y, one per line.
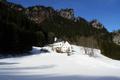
column 39, row 13
column 116, row 38
column 67, row 13
column 96, row 24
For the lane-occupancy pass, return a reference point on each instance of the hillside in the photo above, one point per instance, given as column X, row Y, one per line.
column 76, row 30
column 61, row 26
column 38, row 25
column 17, row 33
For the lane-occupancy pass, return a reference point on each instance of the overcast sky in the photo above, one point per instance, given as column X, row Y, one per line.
column 106, row 11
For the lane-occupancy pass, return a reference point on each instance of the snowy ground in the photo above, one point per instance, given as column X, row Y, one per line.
column 55, row 66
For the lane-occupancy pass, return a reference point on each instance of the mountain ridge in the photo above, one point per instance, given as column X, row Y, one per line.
column 49, row 24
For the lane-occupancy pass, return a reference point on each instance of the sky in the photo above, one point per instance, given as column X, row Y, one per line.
column 105, row 11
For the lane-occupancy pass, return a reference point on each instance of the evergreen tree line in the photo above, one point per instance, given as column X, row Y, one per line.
column 17, row 33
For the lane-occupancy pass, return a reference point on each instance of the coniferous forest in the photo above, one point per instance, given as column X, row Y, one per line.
column 20, row 30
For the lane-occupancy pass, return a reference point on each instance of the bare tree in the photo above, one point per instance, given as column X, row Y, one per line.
column 91, row 54
column 85, row 50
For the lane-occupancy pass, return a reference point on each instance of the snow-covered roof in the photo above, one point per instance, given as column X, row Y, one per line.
column 66, row 44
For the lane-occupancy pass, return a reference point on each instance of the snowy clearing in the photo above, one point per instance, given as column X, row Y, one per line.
column 55, row 66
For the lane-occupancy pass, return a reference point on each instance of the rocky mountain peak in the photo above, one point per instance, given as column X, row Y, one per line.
column 67, row 13
column 96, row 24
column 39, row 13
column 116, row 37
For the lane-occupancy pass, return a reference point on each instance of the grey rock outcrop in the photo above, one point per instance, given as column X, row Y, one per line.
column 39, row 13
column 116, row 37
column 67, row 13
column 96, row 24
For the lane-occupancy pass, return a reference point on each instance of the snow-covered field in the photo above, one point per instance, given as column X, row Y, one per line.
column 55, row 66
